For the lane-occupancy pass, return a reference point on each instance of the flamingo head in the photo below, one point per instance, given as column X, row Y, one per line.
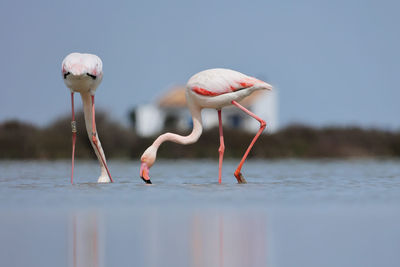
column 147, row 160
column 82, row 72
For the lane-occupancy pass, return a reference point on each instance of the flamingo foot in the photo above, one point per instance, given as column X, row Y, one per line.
column 240, row 178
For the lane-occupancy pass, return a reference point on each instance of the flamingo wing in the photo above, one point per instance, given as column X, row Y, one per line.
column 216, row 82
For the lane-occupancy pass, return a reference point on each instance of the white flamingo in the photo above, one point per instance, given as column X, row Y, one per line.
column 83, row 73
column 214, row 88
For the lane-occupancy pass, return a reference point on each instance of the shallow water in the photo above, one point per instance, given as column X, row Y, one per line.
column 291, row 213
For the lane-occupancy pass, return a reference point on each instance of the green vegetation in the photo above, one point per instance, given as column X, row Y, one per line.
column 19, row 140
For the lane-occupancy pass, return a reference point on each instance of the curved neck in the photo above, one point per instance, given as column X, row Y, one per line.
column 88, row 113
column 184, row 140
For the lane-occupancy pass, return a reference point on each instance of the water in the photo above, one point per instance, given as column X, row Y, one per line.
column 291, row 213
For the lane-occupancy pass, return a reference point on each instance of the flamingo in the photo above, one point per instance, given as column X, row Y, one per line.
column 213, row 88
column 83, row 73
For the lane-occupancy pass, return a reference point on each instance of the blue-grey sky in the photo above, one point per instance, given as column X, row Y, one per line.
column 334, row 62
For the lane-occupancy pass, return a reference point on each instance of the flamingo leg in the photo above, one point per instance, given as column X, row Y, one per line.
column 95, row 141
column 221, row 147
column 238, row 174
column 73, row 127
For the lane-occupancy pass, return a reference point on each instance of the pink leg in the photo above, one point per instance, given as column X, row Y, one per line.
column 221, row 147
column 94, row 139
column 73, row 126
column 238, row 174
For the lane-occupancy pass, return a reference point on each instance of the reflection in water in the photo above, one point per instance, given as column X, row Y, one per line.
column 228, row 240
column 86, row 240
column 176, row 238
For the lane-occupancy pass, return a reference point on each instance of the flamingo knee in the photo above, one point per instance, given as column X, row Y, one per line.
column 221, row 149
column 263, row 124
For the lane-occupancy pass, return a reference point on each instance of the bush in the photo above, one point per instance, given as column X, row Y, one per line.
column 19, row 140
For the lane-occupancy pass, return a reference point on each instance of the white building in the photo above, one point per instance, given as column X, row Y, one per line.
column 170, row 111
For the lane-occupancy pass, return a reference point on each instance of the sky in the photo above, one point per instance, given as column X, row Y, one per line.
column 332, row 62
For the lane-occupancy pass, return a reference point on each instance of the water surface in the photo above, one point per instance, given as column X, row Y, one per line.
column 291, row 213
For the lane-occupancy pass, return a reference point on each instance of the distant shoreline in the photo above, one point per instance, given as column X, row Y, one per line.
column 20, row 140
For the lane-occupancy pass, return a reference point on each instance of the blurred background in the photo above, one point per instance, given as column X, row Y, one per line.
column 334, row 66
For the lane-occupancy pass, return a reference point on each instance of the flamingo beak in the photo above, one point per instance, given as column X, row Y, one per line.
column 144, row 173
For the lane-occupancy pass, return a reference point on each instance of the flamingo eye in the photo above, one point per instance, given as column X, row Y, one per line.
column 93, row 76
column 66, row 74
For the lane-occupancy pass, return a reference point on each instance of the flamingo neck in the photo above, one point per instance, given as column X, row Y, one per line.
column 88, row 113
column 188, row 139
column 87, row 110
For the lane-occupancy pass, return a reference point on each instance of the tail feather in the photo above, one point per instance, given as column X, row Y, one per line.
column 263, row 85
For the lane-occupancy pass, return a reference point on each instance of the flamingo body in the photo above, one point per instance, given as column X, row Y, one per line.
column 82, row 72
column 213, row 88
column 216, row 88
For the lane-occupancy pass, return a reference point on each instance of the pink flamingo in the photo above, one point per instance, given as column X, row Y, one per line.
column 83, row 73
column 213, row 88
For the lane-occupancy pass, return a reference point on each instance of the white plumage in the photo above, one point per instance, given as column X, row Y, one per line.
column 84, row 72
column 216, row 88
